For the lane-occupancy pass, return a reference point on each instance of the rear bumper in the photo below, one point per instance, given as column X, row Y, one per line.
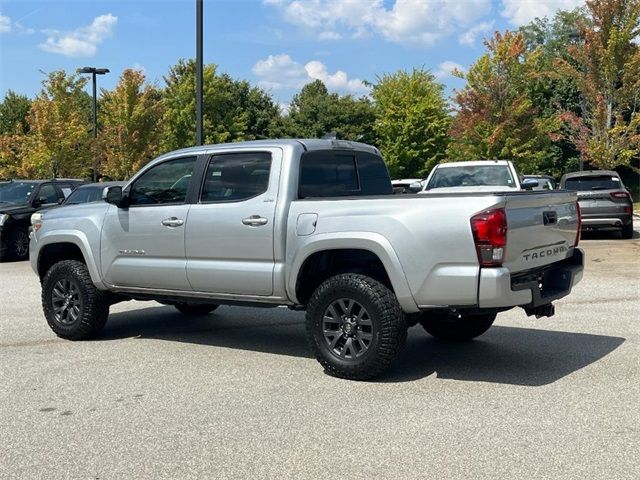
column 499, row 288
column 551, row 282
column 610, row 221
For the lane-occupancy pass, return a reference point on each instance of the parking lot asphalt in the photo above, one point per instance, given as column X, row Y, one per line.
column 236, row 394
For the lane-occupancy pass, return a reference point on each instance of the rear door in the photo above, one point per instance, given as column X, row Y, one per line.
column 541, row 229
column 230, row 231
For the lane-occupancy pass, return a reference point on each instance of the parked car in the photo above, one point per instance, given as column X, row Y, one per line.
column 19, row 199
column 313, row 225
column 88, row 193
column 604, row 200
column 91, row 192
column 476, row 176
column 545, row 182
column 407, row 185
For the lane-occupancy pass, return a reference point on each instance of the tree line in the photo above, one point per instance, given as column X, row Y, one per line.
column 553, row 95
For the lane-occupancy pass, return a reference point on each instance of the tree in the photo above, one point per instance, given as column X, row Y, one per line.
column 59, row 140
column 606, row 69
column 13, row 113
column 554, row 92
column 314, row 113
column 497, row 117
column 14, row 109
column 131, row 117
column 11, row 148
column 412, row 119
column 232, row 109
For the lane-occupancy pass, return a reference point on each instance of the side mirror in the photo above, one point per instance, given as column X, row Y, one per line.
column 415, row 187
column 40, row 201
column 529, row 184
column 60, row 200
column 113, row 195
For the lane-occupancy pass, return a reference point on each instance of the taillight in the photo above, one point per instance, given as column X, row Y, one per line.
column 620, row 195
column 490, row 236
column 579, row 212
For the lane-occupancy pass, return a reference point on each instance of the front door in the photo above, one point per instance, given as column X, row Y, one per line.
column 229, row 236
column 143, row 244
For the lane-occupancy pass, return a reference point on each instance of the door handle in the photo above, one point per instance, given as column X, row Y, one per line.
column 254, row 221
column 172, row 222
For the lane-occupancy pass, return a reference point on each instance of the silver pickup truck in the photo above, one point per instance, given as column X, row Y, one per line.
column 313, row 225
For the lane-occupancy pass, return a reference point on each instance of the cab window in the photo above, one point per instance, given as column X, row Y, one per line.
column 235, row 177
column 164, row 184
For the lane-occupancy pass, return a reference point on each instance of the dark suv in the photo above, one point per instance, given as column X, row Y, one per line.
column 18, row 200
column 604, row 200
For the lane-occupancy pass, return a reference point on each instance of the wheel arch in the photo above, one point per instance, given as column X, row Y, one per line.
column 365, row 249
column 67, row 246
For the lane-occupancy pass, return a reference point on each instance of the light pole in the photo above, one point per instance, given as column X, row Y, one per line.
column 576, row 36
column 199, row 132
column 94, row 71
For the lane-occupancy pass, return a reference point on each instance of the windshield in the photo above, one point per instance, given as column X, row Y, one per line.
column 16, row 192
column 593, row 182
column 85, row 195
column 472, row 176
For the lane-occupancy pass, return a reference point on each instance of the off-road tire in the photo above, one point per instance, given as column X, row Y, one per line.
column 388, row 328
column 456, row 326
column 93, row 303
column 18, row 244
column 627, row 231
column 195, row 308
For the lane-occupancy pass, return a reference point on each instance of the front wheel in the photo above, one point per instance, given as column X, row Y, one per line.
column 454, row 325
column 355, row 326
column 195, row 308
column 74, row 308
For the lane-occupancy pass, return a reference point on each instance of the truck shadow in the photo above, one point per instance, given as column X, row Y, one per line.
column 508, row 355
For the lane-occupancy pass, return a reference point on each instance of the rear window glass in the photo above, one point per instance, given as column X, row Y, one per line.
column 330, row 173
column 472, row 176
column 604, row 182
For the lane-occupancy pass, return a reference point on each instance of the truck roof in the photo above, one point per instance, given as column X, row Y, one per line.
column 308, row 144
column 473, row 163
column 591, row 173
column 38, row 181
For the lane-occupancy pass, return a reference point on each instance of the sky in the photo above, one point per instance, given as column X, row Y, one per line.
column 277, row 44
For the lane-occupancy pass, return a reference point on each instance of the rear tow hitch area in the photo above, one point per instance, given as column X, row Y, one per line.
column 546, row 310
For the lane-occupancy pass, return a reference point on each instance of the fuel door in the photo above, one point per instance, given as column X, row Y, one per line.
column 306, row 224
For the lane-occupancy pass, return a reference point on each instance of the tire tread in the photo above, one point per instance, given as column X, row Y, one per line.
column 95, row 309
column 393, row 331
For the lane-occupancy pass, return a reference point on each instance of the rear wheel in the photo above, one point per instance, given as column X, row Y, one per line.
column 195, row 308
column 74, row 308
column 456, row 326
column 19, row 244
column 355, row 326
column 627, row 231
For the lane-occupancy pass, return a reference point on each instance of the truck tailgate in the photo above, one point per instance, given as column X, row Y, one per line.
column 541, row 229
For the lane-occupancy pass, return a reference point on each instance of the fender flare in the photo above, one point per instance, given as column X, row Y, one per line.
column 80, row 240
column 372, row 242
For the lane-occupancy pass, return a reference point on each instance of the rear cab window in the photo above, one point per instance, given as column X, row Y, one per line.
column 339, row 173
